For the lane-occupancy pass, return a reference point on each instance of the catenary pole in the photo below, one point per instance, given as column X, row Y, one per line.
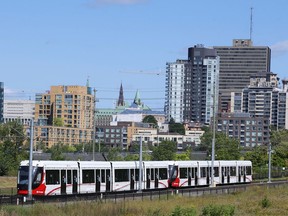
column 30, row 160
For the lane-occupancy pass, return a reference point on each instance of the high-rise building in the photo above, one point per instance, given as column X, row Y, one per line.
column 237, row 64
column 192, row 86
column 201, row 85
column 1, row 101
column 174, row 97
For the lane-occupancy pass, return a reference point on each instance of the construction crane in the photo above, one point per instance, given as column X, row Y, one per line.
column 159, row 72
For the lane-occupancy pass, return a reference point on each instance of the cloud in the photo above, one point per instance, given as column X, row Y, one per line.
column 280, row 48
column 95, row 3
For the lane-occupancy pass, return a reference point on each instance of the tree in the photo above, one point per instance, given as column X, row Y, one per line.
column 151, row 120
column 59, row 122
column 12, row 138
column 226, row 148
column 165, row 151
column 56, row 152
column 176, row 127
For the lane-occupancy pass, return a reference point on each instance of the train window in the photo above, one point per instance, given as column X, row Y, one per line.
column 152, row 174
column 216, row 171
column 98, row 175
column 52, row 177
column 69, row 177
column 121, row 175
column 156, row 174
column 103, row 176
column 136, row 174
column 203, row 172
column 163, row 173
column 88, row 176
column 248, row 170
column 193, row 172
column 233, row 171
column 183, row 173
column 148, row 174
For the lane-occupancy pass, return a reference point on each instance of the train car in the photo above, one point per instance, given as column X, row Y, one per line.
column 198, row 173
column 72, row 177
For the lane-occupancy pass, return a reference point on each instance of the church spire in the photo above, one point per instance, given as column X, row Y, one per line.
column 120, row 101
column 137, row 99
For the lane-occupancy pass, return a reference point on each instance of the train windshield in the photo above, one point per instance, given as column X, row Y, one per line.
column 173, row 172
column 23, row 175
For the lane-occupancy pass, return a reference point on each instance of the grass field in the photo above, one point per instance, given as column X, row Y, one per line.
column 255, row 201
column 8, row 182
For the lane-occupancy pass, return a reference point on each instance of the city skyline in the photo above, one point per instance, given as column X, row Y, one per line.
column 120, row 41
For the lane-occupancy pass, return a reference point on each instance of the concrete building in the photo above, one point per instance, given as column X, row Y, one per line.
column 201, row 84
column 174, row 94
column 68, row 111
column 1, row 101
column 237, row 64
column 192, row 86
column 20, row 110
column 249, row 130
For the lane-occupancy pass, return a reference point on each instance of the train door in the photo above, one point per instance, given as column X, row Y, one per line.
column 244, row 174
column 228, row 174
column 69, row 182
column 148, row 178
column 195, row 175
column 189, row 176
column 75, row 182
column 108, row 180
column 239, row 173
column 63, row 182
column 156, row 178
column 98, row 181
column 208, row 172
column 223, row 175
column 132, row 179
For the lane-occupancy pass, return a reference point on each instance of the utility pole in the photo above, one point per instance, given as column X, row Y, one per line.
column 30, row 160
column 269, row 163
column 140, row 165
column 213, row 138
column 94, row 127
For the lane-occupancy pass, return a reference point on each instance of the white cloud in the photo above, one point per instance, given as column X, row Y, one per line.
column 280, row 48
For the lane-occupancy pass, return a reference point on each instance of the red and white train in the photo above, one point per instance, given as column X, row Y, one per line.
column 72, row 177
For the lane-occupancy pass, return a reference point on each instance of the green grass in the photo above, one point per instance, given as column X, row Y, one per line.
column 255, row 201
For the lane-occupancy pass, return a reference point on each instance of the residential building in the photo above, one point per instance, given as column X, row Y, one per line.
column 174, row 96
column 237, row 64
column 192, row 86
column 201, row 84
column 65, row 114
column 249, row 130
column 20, row 110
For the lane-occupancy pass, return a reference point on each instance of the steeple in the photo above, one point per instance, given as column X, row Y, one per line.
column 120, row 101
column 137, row 99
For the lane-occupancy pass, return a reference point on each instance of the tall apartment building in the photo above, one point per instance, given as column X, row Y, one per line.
column 201, row 84
column 73, row 106
column 174, row 97
column 262, row 98
column 1, row 101
column 20, row 110
column 192, row 86
column 237, row 64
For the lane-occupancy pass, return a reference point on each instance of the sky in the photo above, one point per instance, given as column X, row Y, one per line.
column 109, row 42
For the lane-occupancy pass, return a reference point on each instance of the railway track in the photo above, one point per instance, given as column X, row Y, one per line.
column 137, row 195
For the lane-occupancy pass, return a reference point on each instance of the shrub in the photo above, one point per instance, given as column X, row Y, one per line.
column 218, row 210
column 265, row 202
column 178, row 211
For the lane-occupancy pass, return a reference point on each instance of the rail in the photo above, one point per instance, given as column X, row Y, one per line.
column 144, row 195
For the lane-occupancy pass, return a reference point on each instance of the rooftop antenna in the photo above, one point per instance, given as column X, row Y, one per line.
column 251, row 23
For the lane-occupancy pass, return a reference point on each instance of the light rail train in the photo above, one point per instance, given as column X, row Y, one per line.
column 73, row 177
